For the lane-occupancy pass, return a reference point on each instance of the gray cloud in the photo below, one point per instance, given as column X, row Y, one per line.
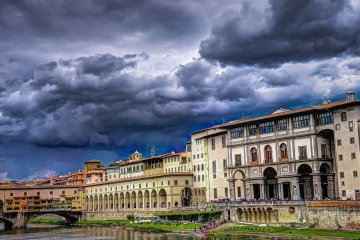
column 284, row 31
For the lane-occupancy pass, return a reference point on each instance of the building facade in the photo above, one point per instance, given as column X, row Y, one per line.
column 296, row 154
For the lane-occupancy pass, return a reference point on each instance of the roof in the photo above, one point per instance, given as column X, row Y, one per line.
column 275, row 115
column 93, row 161
column 213, row 127
column 40, row 187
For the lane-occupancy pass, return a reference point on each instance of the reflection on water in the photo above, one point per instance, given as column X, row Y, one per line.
column 39, row 231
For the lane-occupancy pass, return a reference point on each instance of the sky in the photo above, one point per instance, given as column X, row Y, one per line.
column 92, row 79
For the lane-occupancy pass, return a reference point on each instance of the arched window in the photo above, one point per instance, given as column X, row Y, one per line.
column 283, row 151
column 268, row 154
column 253, row 154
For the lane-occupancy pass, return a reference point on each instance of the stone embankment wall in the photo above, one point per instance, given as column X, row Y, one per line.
column 113, row 215
column 315, row 214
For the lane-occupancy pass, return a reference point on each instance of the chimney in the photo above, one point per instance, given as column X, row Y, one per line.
column 350, row 96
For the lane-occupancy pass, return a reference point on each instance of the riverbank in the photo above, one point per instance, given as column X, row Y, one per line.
column 143, row 226
column 292, row 233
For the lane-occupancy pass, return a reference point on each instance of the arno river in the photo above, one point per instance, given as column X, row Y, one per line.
column 48, row 232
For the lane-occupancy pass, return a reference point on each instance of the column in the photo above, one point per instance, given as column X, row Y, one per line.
column 331, row 190
column 280, row 191
column 295, row 189
column 247, row 191
column 232, row 188
column 262, row 194
column 317, row 187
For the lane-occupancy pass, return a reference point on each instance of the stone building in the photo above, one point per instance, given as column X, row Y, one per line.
column 307, row 153
column 209, row 158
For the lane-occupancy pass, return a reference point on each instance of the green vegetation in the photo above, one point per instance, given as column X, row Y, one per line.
column 287, row 231
column 52, row 221
column 145, row 226
column 201, row 216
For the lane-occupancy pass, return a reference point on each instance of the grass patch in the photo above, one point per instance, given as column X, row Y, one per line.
column 48, row 221
column 146, row 226
column 295, row 231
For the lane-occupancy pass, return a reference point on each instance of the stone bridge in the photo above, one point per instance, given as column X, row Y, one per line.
column 20, row 219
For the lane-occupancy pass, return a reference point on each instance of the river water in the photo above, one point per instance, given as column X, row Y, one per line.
column 49, row 232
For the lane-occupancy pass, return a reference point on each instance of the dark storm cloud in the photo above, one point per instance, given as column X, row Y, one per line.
column 284, row 31
column 93, row 19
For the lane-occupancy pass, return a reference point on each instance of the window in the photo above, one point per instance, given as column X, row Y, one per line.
column 343, row 193
column 225, row 174
column 253, row 154
column 214, row 169
column 202, row 167
column 51, row 193
column 175, row 182
column 302, row 152
column 352, row 140
column 63, row 192
column 342, row 174
column 194, row 156
column 353, row 156
column 283, row 151
column 342, row 183
column 38, row 193
column 188, row 148
column 351, row 126
column 252, row 130
column 198, row 167
column 340, row 157
column 324, row 118
column 239, row 192
column 215, row 193
column 226, row 193
column 225, row 164
column 355, row 174
column 267, row 127
column 237, row 160
column 186, row 182
column 194, row 178
column 199, row 178
column 197, row 141
column 343, row 117
column 337, row 127
column 338, row 142
column 223, row 141
column 268, row 154
column 203, row 178
column 213, row 143
column 11, row 194
column 25, row 193
column 301, row 121
column 237, row 132
column 202, row 155
column 282, row 125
